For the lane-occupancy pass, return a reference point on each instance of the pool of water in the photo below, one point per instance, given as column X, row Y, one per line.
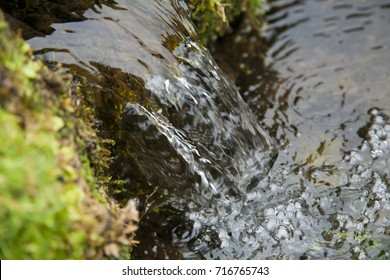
column 199, row 160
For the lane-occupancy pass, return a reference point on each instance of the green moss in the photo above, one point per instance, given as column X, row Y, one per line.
column 39, row 200
column 52, row 203
column 213, row 18
column 37, row 209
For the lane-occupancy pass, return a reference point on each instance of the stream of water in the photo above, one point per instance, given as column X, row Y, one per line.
column 197, row 158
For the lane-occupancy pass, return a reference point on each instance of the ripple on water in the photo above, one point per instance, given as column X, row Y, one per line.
column 323, row 92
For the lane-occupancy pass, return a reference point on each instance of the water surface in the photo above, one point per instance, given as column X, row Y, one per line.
column 318, row 77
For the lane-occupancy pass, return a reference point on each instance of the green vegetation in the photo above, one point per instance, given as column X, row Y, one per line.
column 214, row 18
column 38, row 211
column 52, row 199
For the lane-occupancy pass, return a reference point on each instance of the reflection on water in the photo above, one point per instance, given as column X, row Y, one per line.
column 192, row 153
column 323, row 89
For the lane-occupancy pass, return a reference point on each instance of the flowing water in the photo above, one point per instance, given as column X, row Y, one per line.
column 196, row 157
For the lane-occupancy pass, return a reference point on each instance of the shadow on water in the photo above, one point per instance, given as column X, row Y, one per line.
column 191, row 152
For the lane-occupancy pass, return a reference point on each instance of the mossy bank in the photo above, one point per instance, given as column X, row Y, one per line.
column 52, row 199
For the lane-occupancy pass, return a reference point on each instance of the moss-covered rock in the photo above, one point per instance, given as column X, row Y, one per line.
column 214, row 18
column 52, row 199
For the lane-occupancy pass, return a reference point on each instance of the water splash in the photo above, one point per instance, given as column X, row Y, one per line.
column 217, row 141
